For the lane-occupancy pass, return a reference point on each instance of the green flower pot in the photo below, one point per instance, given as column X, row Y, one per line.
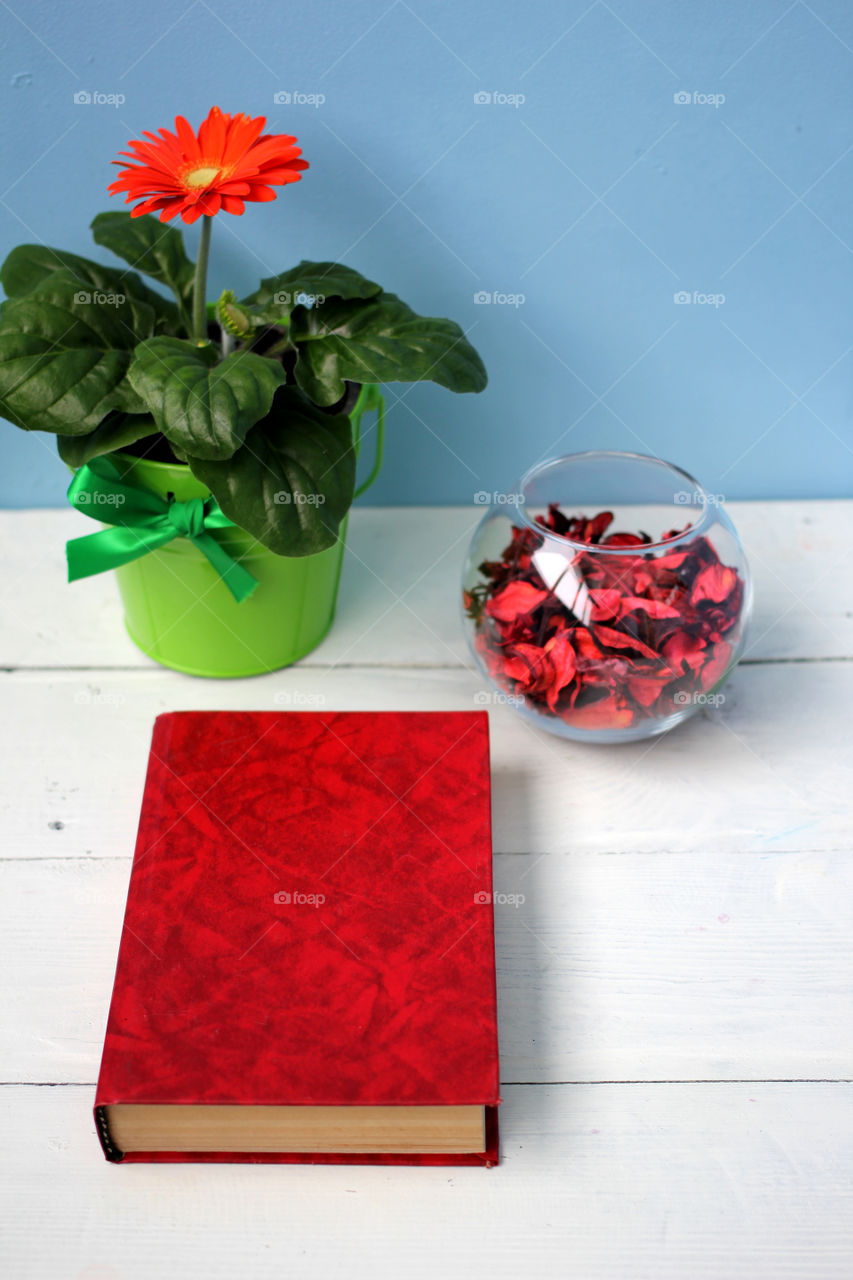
column 178, row 610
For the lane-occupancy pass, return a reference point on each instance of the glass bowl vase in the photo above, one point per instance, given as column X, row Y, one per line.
column 607, row 596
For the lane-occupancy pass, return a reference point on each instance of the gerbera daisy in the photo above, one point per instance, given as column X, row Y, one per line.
column 228, row 162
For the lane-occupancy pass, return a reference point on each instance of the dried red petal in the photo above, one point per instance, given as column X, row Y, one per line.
column 562, row 658
column 674, row 560
column 526, row 665
column 715, row 668
column 675, row 533
column 647, row 688
column 606, row 713
column 684, row 651
column 655, row 608
column 593, row 529
column 625, row 540
column 638, row 629
column 716, row 583
column 585, row 645
column 606, row 602
column 619, row 640
column 517, row 598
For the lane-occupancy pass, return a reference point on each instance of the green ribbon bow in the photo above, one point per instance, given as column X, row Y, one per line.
column 143, row 521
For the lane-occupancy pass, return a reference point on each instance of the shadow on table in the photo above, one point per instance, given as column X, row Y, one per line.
column 529, row 947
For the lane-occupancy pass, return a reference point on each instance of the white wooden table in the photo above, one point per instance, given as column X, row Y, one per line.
column 675, row 991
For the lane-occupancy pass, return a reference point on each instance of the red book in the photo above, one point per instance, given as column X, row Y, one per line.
column 306, row 971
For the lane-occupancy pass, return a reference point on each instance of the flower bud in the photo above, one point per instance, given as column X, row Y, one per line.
column 236, row 319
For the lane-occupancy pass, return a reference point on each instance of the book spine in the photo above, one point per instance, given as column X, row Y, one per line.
column 111, row 1151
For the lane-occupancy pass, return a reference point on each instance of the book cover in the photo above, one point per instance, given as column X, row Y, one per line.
column 308, row 925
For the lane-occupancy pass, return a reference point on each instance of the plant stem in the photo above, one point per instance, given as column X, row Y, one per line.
column 200, row 282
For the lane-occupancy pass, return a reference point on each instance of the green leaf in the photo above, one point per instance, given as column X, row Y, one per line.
column 201, row 407
column 64, row 354
column 292, row 482
column 29, row 265
column 276, row 296
column 148, row 245
column 379, row 340
column 117, row 430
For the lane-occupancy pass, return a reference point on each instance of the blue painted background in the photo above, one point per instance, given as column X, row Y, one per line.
column 597, row 199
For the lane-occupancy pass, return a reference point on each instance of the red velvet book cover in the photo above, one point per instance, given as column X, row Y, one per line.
column 309, row 921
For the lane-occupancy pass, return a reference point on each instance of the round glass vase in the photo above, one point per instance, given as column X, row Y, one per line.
column 607, row 597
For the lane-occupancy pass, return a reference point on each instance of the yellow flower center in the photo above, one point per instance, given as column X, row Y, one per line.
column 202, row 177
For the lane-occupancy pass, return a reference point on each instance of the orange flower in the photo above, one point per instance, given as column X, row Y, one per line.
column 228, row 162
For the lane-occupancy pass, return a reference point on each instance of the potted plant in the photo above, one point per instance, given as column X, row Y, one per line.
column 216, row 442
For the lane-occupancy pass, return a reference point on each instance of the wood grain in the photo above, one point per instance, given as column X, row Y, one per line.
column 674, row 924
column 730, row 779
column 400, row 587
column 615, row 1182
column 621, row 967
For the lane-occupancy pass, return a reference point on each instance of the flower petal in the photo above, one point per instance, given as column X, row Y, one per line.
column 517, row 598
column 637, row 629
column 716, row 583
column 243, row 162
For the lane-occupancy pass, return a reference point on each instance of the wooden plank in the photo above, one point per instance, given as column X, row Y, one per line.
column 400, row 588
column 632, row 967
column 619, row 1182
column 686, row 916
column 731, row 779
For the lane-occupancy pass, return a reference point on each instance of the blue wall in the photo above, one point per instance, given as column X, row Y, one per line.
column 598, row 198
